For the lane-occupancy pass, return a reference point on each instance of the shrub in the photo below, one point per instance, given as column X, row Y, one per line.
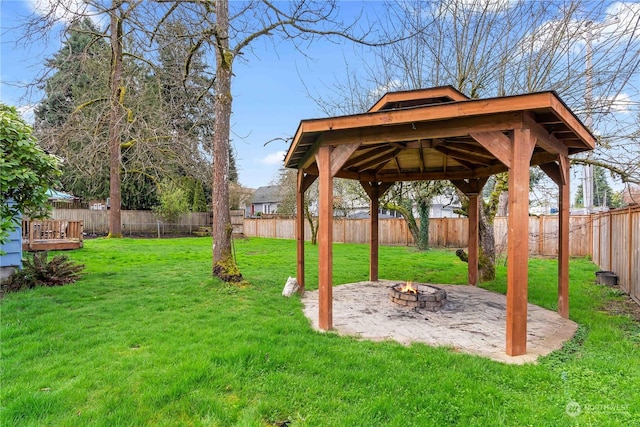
column 37, row 270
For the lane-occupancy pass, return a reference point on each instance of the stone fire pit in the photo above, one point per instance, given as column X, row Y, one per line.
column 417, row 295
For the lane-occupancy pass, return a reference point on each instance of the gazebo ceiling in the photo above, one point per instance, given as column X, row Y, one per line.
column 439, row 133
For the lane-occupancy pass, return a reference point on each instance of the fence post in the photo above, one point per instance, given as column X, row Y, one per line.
column 610, row 241
column 630, row 252
column 599, row 238
column 31, row 226
column 446, row 231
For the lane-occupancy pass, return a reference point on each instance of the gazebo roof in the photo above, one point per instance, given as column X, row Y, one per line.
column 439, row 133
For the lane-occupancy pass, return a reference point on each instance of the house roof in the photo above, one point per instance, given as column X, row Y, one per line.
column 267, row 194
column 631, row 195
column 438, row 133
column 59, row 195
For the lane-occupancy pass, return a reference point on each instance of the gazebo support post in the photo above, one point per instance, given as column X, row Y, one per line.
column 300, row 228
column 374, row 190
column 518, row 238
column 472, row 268
column 563, row 241
column 472, row 188
column 559, row 173
column 325, row 239
column 373, row 237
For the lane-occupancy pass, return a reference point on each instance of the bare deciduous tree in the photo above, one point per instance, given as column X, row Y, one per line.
column 587, row 51
column 230, row 30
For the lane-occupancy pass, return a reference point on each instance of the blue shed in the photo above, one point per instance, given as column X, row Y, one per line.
column 12, row 250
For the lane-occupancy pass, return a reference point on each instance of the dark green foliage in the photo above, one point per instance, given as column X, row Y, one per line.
column 603, row 195
column 75, row 76
column 199, row 200
column 423, row 211
column 26, row 172
column 37, row 270
column 571, row 348
column 165, row 127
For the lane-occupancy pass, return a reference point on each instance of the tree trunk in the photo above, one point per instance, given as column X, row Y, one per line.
column 487, row 252
column 312, row 224
column 117, row 92
column 423, row 235
column 407, row 214
column 503, row 202
column 224, row 266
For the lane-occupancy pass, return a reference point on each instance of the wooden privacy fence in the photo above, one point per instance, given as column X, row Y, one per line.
column 443, row 232
column 616, row 246
column 97, row 222
column 543, row 235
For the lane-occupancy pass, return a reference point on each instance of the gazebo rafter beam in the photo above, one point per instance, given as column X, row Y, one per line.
column 458, row 155
column 470, row 147
column 361, row 158
column 381, row 159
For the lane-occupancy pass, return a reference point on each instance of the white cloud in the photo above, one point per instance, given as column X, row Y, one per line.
column 484, row 6
column 59, row 10
column 619, row 24
column 376, row 93
column 274, row 159
column 27, row 112
column 620, row 103
column 621, row 20
column 66, row 11
column 456, row 7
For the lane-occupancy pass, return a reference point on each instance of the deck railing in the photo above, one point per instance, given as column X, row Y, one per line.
column 51, row 234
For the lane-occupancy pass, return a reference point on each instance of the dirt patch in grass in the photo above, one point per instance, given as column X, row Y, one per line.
column 624, row 306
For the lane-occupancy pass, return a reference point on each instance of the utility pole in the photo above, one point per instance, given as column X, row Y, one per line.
column 587, row 187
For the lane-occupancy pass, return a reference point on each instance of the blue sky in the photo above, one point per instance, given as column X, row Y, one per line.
column 270, row 97
column 271, row 90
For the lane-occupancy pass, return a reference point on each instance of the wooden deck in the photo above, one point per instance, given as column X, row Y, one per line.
column 51, row 235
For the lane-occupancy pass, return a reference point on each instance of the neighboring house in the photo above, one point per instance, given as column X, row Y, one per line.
column 444, row 207
column 631, row 195
column 265, row 200
column 441, row 207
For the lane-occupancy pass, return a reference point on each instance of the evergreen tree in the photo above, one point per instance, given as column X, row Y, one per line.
column 165, row 128
column 603, row 194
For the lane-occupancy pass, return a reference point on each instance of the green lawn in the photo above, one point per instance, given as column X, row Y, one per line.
column 148, row 338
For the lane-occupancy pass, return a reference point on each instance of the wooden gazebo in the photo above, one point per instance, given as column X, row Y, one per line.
column 440, row 134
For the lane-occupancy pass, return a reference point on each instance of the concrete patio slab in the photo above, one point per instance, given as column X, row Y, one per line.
column 472, row 321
